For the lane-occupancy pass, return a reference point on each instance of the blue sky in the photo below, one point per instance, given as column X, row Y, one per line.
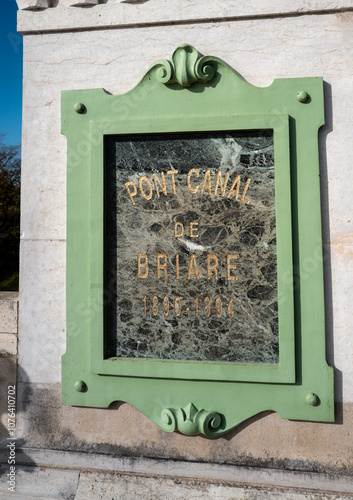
column 10, row 74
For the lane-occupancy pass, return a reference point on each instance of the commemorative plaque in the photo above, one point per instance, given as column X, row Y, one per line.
column 193, row 216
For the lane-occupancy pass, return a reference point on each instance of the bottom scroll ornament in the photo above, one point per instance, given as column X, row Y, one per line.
column 191, row 421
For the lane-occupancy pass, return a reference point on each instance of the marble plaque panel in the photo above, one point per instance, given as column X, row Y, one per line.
column 190, row 247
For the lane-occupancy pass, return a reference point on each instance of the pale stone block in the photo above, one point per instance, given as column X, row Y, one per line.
column 82, row 3
column 201, row 472
column 8, row 312
column 91, row 485
column 143, row 478
column 8, row 344
column 43, row 209
column 49, row 483
column 44, row 484
column 118, row 13
column 32, row 4
column 42, row 312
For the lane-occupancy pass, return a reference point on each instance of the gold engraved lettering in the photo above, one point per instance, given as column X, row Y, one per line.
column 177, row 306
column 172, row 172
column 230, row 309
column 154, row 305
column 161, row 183
column 207, row 308
column 177, row 266
column 191, row 189
column 166, row 305
column 160, row 265
column 149, row 195
column 142, row 265
column 236, row 192
column 231, row 266
column 193, row 228
column 196, row 302
column 133, row 192
column 178, row 229
column 219, row 181
column 243, row 199
column 192, row 267
column 213, row 266
column 218, row 307
column 206, row 184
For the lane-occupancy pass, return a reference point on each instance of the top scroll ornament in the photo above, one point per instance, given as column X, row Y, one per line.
column 186, row 67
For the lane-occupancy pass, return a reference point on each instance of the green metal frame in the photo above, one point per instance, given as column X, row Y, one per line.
column 194, row 93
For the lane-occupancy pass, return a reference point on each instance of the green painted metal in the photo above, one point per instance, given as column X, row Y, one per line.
column 193, row 93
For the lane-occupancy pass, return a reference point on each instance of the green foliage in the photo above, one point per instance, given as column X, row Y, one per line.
column 10, row 175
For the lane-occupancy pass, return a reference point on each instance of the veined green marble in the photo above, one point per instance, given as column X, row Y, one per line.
column 192, row 307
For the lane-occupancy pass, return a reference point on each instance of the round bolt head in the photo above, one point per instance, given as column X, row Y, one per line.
column 79, row 107
column 80, row 386
column 302, row 96
column 312, row 399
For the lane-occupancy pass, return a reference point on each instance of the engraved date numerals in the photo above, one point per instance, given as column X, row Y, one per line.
column 204, row 306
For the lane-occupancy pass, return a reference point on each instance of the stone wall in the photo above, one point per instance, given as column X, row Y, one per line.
column 110, row 45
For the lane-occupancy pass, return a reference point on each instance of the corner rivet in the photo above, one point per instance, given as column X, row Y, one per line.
column 312, row 399
column 79, row 108
column 302, row 96
column 80, row 386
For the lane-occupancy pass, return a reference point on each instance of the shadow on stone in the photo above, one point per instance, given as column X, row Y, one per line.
column 11, row 453
column 325, row 216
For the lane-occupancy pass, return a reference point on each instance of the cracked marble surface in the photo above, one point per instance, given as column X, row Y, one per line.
column 193, row 273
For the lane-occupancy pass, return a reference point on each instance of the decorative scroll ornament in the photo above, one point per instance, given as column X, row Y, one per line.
column 185, row 67
column 191, row 421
